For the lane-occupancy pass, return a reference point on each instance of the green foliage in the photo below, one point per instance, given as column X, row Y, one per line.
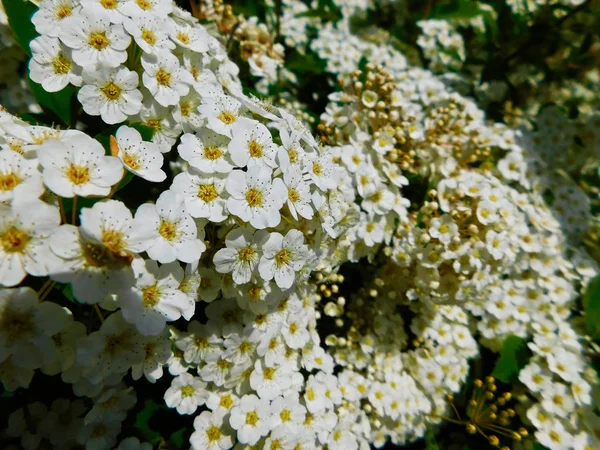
column 19, row 14
column 430, row 441
column 591, row 307
column 142, row 422
column 514, row 354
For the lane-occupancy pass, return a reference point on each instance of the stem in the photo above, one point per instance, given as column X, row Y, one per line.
column 47, row 290
column 61, row 207
column 97, row 309
column 74, row 212
column 44, row 287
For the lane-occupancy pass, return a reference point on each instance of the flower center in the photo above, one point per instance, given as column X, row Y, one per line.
column 207, row 193
column 255, row 149
column 78, row 174
column 268, row 373
column 61, row 64
column 254, row 293
column 186, row 109
column 226, row 401
column 112, row 91
column 255, row 198
column 109, row 4
column 187, row 391
column 14, row 240
column 9, row 181
column 154, row 124
column 213, row 152
column 132, row 161
column 252, row 418
column 144, row 4
column 293, row 195
column 282, row 258
column 149, row 36
column 285, row 415
column 163, row 77
column 213, row 433
column 168, row 230
column 293, row 328
column 183, row 37
column 246, row 254
column 98, row 40
column 114, row 240
column 293, row 155
column 317, row 169
column 227, row 117
column 370, row 227
column 62, row 10
column 150, row 296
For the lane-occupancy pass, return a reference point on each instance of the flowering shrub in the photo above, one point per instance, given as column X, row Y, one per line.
column 296, row 225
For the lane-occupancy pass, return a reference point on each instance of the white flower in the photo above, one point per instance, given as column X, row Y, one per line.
column 48, row 19
column 211, row 432
column 294, row 330
column 110, row 94
column 206, row 151
column 241, row 255
column 222, row 113
column 252, row 144
column 173, row 231
column 194, row 38
column 94, row 40
column 554, row 436
column 26, row 327
column 283, row 257
column 78, row 166
column 24, row 229
column 150, row 33
column 254, row 197
column 51, row 64
column 166, row 80
column 204, row 195
column 143, row 8
column 298, row 194
column 186, row 393
column 157, row 352
column 443, row 228
column 321, row 171
column 200, row 343
column 251, row 418
column 155, row 297
column 112, row 9
column 269, row 382
column 19, row 178
column 143, row 159
column 110, row 223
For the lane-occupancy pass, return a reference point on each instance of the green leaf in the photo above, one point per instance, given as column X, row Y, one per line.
column 67, row 291
column 142, row 419
column 591, row 307
column 59, row 106
column 19, row 14
column 309, row 62
column 430, row 441
column 177, row 439
column 514, row 354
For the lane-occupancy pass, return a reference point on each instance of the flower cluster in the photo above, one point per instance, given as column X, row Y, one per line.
column 442, row 45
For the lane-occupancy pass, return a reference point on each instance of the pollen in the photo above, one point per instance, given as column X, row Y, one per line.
column 78, row 175
column 227, row 117
column 293, row 328
column 255, row 198
column 317, row 169
column 98, row 40
column 9, row 181
column 168, row 230
column 293, row 155
column 213, row 433
column 212, row 152
column 151, row 296
column 14, row 240
column 293, row 195
column 163, row 77
column 144, row 4
column 149, row 36
column 310, row 395
column 252, row 418
column 246, row 254
column 61, row 64
column 226, row 401
column 268, row 373
column 112, row 91
column 114, row 240
column 62, row 10
column 285, row 415
column 183, row 37
column 132, row 161
column 255, row 149
column 109, row 4
column 207, row 193
column 282, row 258
column 187, row 391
